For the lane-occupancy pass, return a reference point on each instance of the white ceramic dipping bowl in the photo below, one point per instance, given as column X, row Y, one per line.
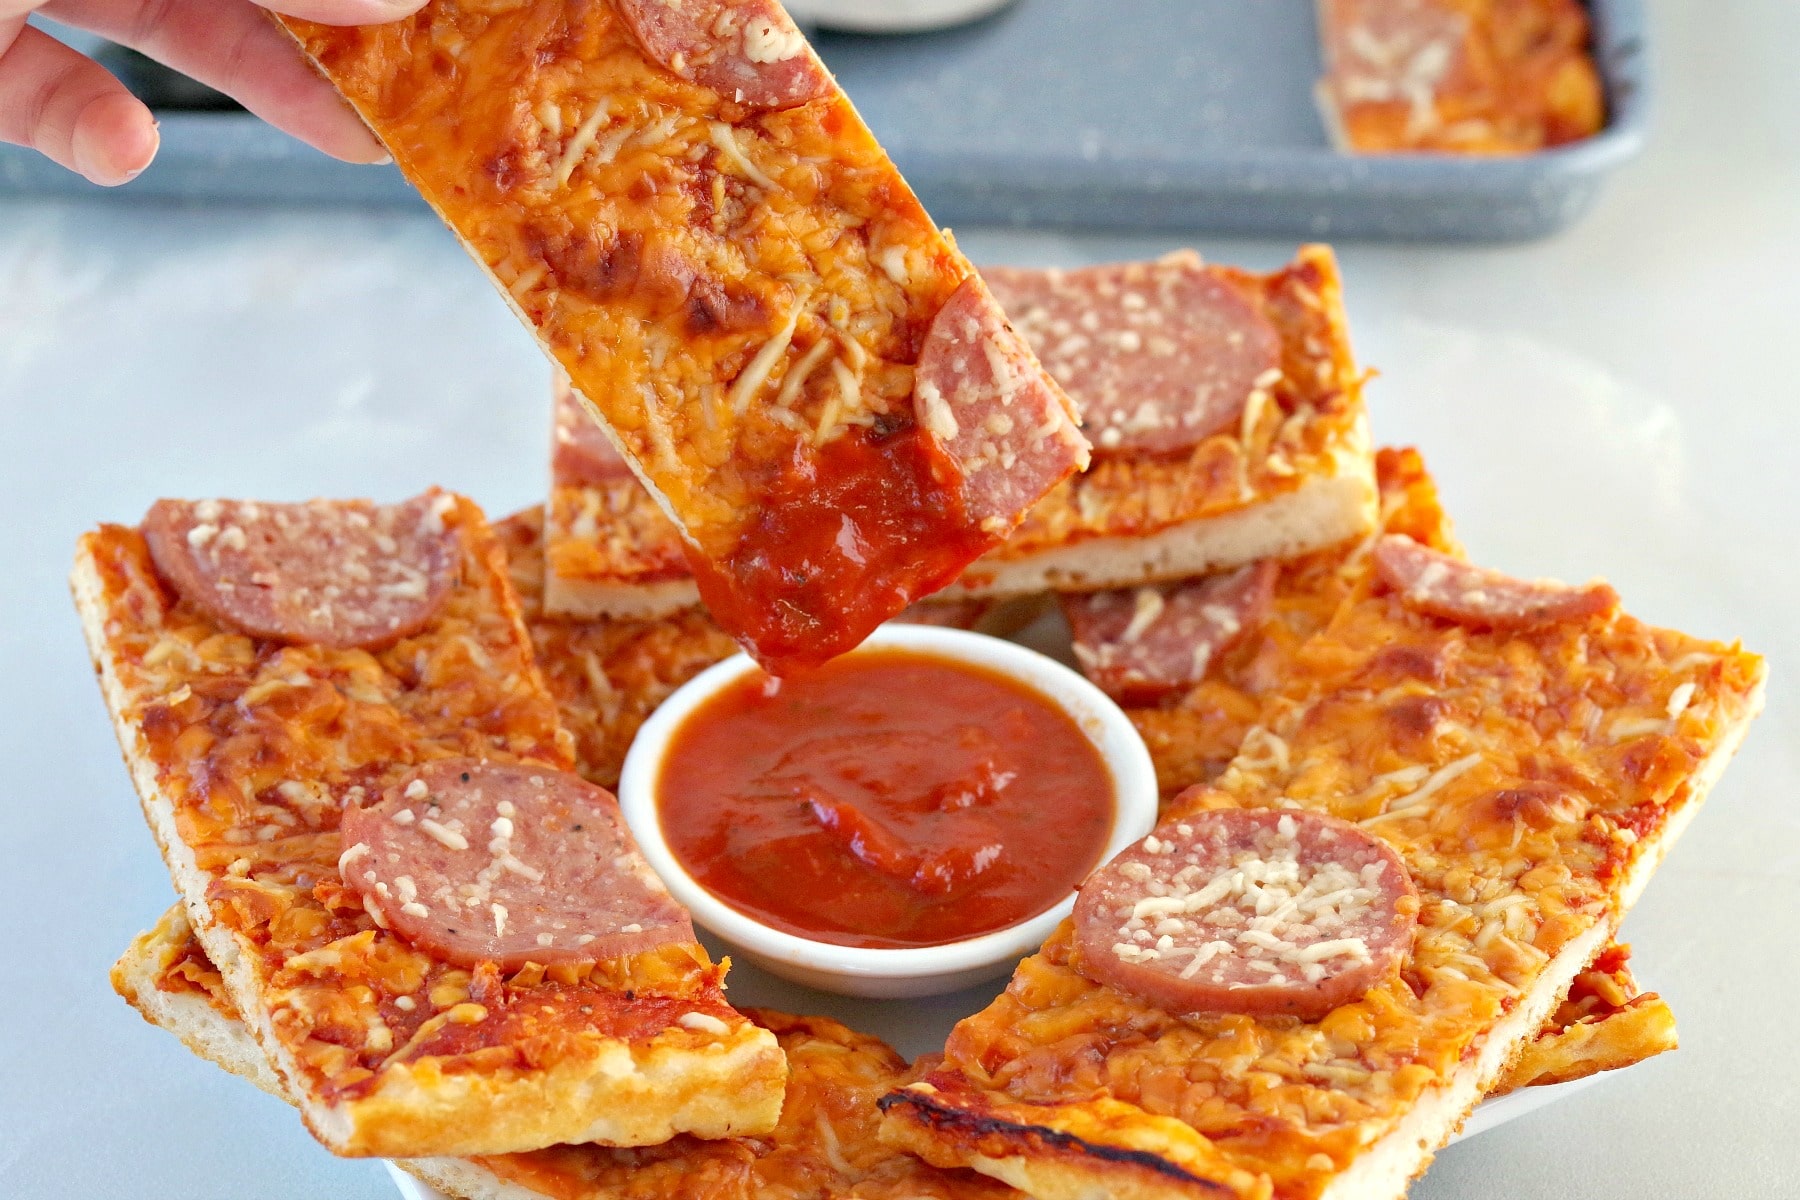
column 885, row 973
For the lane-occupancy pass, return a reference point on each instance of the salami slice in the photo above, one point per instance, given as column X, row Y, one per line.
column 1156, row 355
column 1257, row 911
column 337, row 573
column 748, row 51
column 1432, row 582
column 583, row 454
column 1141, row 644
column 476, row 861
column 979, row 394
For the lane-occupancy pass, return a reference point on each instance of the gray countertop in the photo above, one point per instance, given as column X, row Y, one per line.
column 1620, row 400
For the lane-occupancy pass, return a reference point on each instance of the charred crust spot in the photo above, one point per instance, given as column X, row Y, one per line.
column 506, row 171
column 887, row 424
column 968, row 1126
column 717, row 307
column 595, row 263
column 1416, row 717
column 1407, row 662
column 159, row 722
column 1539, row 805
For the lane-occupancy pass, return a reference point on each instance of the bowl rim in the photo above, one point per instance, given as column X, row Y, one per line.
column 1120, row 747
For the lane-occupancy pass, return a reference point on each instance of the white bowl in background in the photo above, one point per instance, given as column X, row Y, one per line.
column 891, row 16
column 882, row 973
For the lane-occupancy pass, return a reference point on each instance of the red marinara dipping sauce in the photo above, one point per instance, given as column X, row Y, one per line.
column 887, row 799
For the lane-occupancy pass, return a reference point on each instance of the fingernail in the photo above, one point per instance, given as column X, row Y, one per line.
column 155, row 145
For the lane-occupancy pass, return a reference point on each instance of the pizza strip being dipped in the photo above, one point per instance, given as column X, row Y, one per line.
column 689, row 214
column 610, row 554
column 1225, row 411
column 443, row 939
column 1457, row 76
column 824, row 1145
column 1527, row 752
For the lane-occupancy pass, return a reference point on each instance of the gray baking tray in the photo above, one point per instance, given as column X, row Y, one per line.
column 1191, row 115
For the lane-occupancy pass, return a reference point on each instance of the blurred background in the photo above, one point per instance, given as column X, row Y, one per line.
column 1590, row 342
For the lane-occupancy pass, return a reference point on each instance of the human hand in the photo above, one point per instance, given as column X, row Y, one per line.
column 69, row 108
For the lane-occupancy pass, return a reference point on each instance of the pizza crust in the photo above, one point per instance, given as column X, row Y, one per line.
column 588, row 600
column 1322, row 511
column 221, row 1038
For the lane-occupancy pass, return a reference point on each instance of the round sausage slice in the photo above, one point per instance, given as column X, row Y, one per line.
column 1156, row 355
column 476, row 861
column 583, row 455
column 749, row 51
column 339, row 573
column 1432, row 582
column 1141, row 644
column 985, row 401
column 1260, row 911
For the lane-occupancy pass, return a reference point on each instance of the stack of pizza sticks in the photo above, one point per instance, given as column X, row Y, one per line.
column 1407, row 800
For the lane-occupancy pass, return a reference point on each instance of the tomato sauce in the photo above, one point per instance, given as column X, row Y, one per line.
column 851, row 535
column 887, row 799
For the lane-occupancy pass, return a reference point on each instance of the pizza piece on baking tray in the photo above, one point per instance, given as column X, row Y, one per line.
column 1225, row 412
column 686, row 210
column 1444, row 813
column 1457, row 76
column 824, row 1145
column 443, row 939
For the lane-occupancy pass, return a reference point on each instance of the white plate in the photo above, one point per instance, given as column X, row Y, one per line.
column 1488, row 1115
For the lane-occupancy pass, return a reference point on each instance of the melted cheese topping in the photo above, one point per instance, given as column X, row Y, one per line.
column 259, row 746
column 1359, row 708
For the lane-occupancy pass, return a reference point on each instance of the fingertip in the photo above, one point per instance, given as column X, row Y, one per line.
column 352, row 142
column 114, row 138
column 346, row 12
